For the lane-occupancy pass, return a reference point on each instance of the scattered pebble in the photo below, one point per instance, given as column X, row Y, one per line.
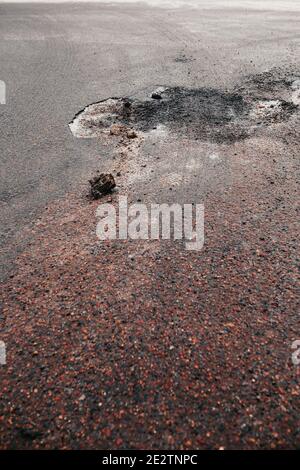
column 101, row 185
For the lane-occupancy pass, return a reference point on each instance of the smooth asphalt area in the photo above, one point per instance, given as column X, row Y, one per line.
column 144, row 344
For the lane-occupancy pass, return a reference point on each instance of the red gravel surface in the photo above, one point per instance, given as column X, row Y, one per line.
column 143, row 344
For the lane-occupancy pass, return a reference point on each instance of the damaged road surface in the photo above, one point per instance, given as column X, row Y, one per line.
column 203, row 114
column 142, row 344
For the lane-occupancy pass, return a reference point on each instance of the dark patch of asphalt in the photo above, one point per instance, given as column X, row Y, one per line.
column 137, row 344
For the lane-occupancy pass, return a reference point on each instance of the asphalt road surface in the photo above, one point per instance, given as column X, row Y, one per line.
column 144, row 344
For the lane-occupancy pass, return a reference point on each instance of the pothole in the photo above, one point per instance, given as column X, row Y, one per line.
column 201, row 113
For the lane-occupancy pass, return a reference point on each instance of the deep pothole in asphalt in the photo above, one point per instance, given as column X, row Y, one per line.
column 201, row 113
